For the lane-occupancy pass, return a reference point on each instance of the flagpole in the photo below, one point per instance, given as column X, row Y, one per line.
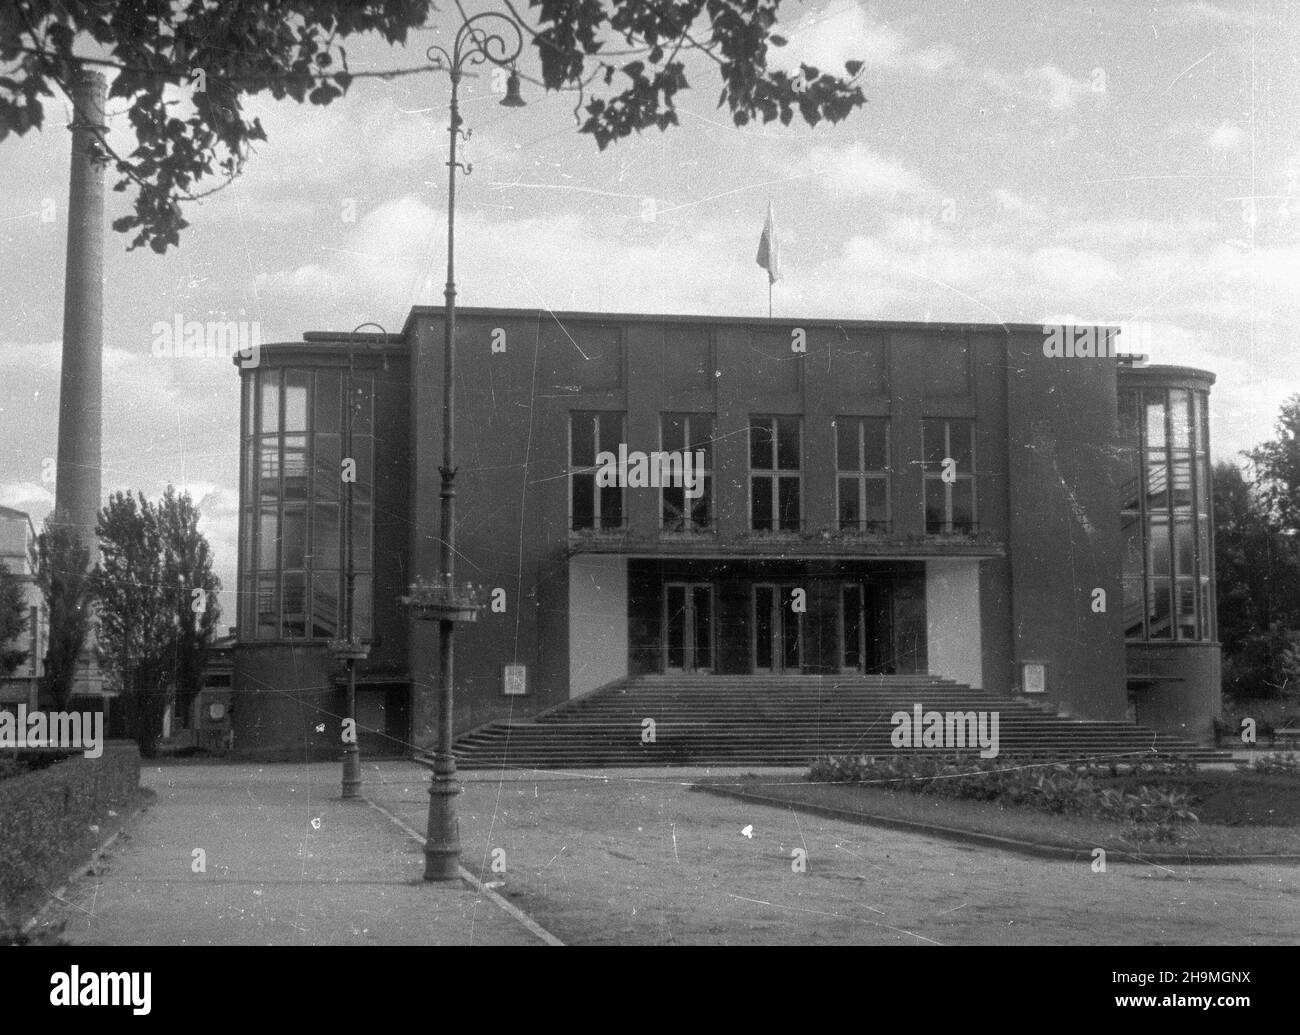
column 769, row 298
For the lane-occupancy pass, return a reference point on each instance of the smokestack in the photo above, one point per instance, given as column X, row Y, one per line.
column 77, row 479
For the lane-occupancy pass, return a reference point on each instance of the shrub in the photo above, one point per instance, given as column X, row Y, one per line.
column 45, row 820
column 1276, row 763
column 1152, row 812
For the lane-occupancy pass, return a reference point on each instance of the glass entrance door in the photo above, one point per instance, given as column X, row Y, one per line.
column 778, row 629
column 688, row 627
column 864, row 629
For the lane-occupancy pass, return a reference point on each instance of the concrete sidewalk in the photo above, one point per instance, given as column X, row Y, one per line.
column 287, row 863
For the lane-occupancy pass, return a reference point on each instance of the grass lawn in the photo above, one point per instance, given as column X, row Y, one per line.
column 1240, row 814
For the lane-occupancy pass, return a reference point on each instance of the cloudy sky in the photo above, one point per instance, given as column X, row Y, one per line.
column 1109, row 161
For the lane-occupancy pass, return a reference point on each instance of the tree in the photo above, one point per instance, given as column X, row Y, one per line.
column 1277, row 464
column 1257, row 567
column 153, row 559
column 219, row 53
column 187, row 571
column 62, row 564
column 134, row 621
column 13, row 620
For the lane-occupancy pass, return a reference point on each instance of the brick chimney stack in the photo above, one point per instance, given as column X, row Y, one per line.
column 77, row 481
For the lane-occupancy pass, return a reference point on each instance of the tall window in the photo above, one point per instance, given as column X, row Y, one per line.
column 774, row 474
column 689, row 433
column 949, row 472
column 292, row 557
column 862, row 484
column 594, row 506
column 1166, row 516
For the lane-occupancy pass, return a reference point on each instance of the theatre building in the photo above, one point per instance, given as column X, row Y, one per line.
column 861, row 497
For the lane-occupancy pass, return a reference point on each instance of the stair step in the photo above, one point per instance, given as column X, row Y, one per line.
column 782, row 720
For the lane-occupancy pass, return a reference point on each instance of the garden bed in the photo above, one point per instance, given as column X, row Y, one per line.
column 1239, row 814
column 53, row 816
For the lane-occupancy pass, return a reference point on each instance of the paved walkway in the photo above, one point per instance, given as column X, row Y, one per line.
column 287, row 863
column 614, row 857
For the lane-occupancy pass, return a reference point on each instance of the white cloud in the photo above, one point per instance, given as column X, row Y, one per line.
column 1226, row 137
column 827, row 41
column 1056, row 88
column 1010, row 201
column 858, row 170
column 1045, row 86
column 1071, row 273
column 28, row 496
column 1129, row 232
column 1213, row 14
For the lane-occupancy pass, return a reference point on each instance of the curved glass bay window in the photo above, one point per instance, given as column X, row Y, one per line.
column 292, row 565
column 1165, row 501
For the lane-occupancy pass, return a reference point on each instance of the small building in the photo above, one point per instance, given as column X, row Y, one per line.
column 17, row 538
column 862, row 496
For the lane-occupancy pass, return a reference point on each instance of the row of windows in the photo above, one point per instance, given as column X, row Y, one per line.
column 776, row 464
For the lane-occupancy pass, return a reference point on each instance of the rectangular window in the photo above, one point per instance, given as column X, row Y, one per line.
column 948, row 469
column 326, row 616
column 688, row 433
column 862, row 451
column 594, row 506
column 294, row 624
column 775, row 460
column 268, row 610
column 269, row 382
column 297, row 384
column 1131, row 574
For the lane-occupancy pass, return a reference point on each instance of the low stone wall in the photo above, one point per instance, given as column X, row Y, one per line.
column 45, row 821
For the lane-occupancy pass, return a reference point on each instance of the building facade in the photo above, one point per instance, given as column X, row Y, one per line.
column 640, row 494
column 17, row 537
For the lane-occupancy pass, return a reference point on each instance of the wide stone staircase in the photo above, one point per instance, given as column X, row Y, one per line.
column 783, row 721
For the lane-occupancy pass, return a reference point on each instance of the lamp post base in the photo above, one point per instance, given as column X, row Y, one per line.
column 442, row 841
column 351, row 771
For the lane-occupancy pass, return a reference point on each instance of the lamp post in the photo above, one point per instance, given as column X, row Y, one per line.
column 349, row 650
column 478, row 39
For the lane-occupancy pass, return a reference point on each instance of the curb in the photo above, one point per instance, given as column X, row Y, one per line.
column 509, row 908
column 1007, row 844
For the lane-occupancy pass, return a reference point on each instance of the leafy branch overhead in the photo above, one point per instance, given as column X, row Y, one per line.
column 215, row 55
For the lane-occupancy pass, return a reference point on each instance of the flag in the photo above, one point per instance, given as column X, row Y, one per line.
column 768, row 253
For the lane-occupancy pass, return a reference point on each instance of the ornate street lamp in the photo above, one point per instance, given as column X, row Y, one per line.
column 349, row 649
column 480, row 38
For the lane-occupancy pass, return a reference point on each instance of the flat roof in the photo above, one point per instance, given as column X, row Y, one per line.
column 738, row 319
column 1164, row 372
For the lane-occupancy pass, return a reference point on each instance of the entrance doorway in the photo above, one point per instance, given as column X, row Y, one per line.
column 778, row 629
column 688, row 619
column 864, row 629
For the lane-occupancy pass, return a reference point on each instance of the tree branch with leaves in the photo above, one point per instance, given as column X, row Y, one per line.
column 214, row 55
